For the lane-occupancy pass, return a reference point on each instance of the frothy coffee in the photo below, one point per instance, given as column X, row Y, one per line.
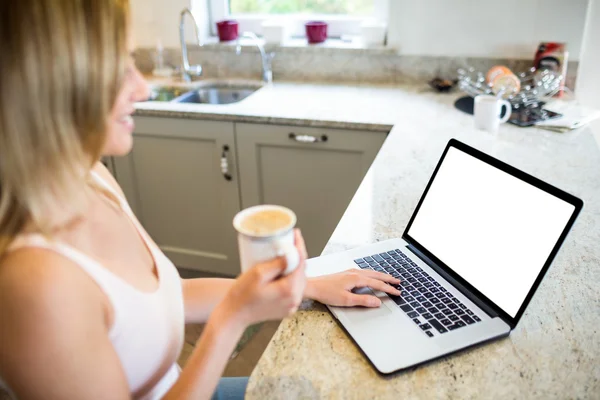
column 265, row 222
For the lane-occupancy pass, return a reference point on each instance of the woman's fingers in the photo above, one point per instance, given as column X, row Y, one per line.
column 300, row 245
column 293, row 284
column 378, row 275
column 377, row 285
column 269, row 270
column 298, row 275
column 364, row 300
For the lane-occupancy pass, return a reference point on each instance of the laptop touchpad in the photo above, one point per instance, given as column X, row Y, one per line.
column 359, row 314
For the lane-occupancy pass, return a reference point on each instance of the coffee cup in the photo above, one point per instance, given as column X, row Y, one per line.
column 487, row 112
column 266, row 232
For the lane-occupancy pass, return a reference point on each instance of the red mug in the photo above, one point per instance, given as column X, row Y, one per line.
column 227, row 30
column 316, row 31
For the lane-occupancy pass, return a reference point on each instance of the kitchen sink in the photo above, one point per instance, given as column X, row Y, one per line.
column 208, row 92
column 215, row 95
column 166, row 93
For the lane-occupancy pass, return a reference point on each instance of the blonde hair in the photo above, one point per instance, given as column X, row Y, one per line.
column 63, row 62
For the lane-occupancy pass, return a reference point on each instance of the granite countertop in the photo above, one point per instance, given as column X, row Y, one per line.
column 372, row 108
column 554, row 352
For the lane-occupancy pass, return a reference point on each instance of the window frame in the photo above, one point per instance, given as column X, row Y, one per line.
column 338, row 25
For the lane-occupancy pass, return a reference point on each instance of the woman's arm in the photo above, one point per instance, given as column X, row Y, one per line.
column 203, row 369
column 201, row 295
column 257, row 295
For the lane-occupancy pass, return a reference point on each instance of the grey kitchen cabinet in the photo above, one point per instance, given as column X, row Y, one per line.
column 313, row 171
column 174, row 183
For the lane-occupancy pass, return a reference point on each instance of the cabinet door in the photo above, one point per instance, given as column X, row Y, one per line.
column 174, row 182
column 277, row 165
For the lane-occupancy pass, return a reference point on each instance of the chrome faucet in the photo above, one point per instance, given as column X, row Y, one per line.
column 188, row 71
column 267, row 58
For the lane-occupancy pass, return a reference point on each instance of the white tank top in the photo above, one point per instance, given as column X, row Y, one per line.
column 148, row 328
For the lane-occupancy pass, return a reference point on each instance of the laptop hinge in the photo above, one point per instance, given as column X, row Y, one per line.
column 489, row 311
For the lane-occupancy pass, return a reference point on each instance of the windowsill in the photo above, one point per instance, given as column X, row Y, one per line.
column 300, row 44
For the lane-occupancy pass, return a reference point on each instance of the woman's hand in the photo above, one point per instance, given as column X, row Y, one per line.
column 262, row 294
column 336, row 289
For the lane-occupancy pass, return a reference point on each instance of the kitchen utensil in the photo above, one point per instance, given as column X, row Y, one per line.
column 535, row 84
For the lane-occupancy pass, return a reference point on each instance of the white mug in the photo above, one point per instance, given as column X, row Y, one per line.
column 487, row 112
column 256, row 248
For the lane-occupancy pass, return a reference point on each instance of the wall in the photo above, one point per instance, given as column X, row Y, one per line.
column 433, row 39
column 463, row 28
column 155, row 20
column 588, row 84
column 485, row 28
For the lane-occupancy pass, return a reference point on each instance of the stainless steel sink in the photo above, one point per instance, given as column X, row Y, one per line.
column 208, row 92
column 215, row 95
column 166, row 93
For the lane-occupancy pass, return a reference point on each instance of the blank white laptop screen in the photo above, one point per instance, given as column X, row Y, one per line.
column 490, row 227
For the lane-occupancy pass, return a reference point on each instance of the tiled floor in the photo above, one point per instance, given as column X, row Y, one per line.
column 244, row 362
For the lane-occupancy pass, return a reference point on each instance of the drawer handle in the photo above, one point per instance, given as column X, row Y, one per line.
column 225, row 164
column 308, row 138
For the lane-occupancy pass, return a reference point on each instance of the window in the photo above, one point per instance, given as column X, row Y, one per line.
column 342, row 16
column 327, row 7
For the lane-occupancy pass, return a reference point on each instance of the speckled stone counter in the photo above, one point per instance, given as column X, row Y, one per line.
column 555, row 350
column 327, row 106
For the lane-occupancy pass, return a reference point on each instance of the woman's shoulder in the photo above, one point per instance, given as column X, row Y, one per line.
column 52, row 318
column 39, row 281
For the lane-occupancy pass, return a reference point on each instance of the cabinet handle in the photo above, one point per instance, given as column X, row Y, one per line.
column 225, row 164
column 308, row 138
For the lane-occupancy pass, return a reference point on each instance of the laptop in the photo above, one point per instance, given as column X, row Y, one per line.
column 474, row 252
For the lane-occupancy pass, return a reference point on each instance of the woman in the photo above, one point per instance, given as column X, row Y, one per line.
column 89, row 306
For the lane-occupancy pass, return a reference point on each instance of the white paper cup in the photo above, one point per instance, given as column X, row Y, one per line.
column 255, row 249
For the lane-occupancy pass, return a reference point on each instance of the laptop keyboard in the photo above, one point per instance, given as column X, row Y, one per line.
column 431, row 306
